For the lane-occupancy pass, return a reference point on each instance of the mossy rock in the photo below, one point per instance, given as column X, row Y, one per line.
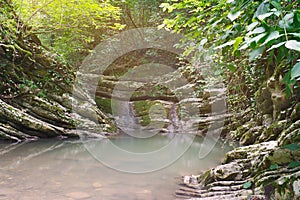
column 296, row 112
column 104, row 104
column 287, row 187
column 206, row 178
column 247, row 139
column 236, row 134
column 283, row 156
column 141, row 109
column 250, row 136
column 291, row 134
column 263, row 100
column 272, row 132
column 235, row 155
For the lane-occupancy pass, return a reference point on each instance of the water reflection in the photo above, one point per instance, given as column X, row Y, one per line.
column 137, row 157
column 66, row 170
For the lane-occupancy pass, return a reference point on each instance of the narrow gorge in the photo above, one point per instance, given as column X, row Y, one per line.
column 222, row 100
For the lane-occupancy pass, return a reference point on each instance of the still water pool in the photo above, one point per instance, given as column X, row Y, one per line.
column 62, row 170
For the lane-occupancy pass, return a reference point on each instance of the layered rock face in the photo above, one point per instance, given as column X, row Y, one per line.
column 41, row 98
column 36, row 92
column 169, row 99
column 247, row 173
column 266, row 166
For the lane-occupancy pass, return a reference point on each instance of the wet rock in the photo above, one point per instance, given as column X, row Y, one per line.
column 244, row 165
column 48, row 110
column 257, row 197
column 241, row 130
column 186, row 179
column 228, row 181
column 17, row 117
column 230, row 171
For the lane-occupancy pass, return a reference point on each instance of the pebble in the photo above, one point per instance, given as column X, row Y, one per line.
column 97, row 185
column 78, row 195
column 144, row 192
column 186, row 179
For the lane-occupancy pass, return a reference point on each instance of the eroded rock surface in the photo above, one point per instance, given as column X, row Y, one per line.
column 267, row 170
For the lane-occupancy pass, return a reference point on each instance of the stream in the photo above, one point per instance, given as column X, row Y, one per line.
column 56, row 169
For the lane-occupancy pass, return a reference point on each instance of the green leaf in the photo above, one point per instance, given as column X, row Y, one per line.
column 295, row 71
column 287, row 77
column 287, row 21
column 274, row 166
column 245, row 45
column 247, row 185
column 292, row 147
column 264, row 16
column 257, row 30
column 262, row 9
column 294, row 164
column 252, row 26
column 295, row 34
column 203, row 41
column 272, row 36
column 166, row 6
column 293, row 45
column 238, row 40
column 232, row 68
column 225, row 44
column 288, row 90
column 276, row 5
column 276, row 46
column 298, row 16
column 234, row 16
column 257, row 38
column 287, row 80
column 256, row 53
column 297, row 19
column 163, row 5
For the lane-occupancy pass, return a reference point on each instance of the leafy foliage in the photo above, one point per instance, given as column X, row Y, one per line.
column 252, row 40
column 140, row 13
column 274, row 166
column 247, row 185
column 294, row 164
column 295, row 72
column 292, row 147
column 69, row 27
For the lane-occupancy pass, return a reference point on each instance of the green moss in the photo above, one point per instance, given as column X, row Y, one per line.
column 206, row 178
column 273, row 131
column 234, row 155
column 104, row 104
column 238, row 133
column 141, row 109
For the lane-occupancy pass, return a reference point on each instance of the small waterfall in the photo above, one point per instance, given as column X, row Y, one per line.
column 127, row 121
column 174, row 120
